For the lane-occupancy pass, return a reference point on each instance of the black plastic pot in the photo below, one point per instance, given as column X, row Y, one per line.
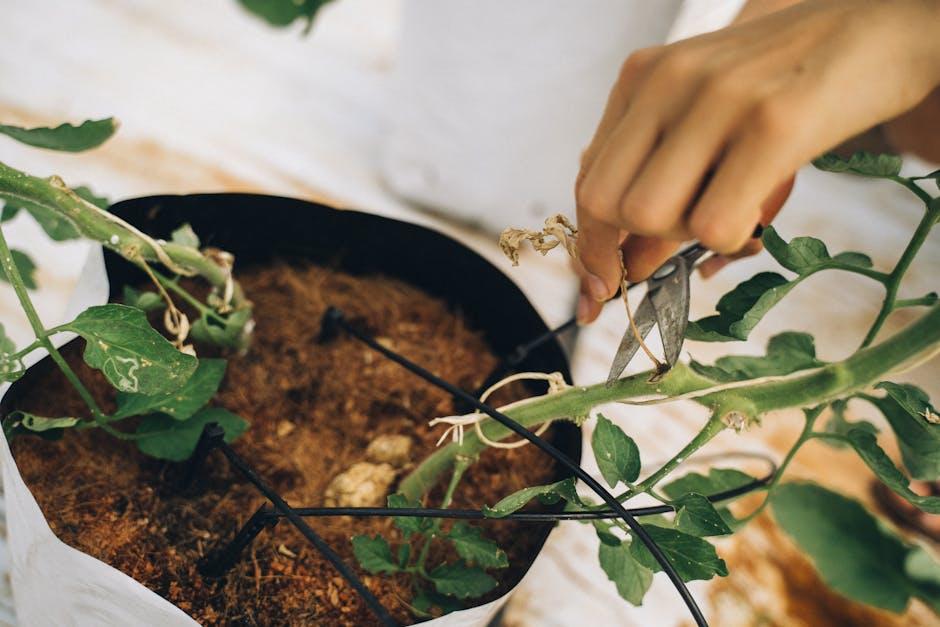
column 258, row 229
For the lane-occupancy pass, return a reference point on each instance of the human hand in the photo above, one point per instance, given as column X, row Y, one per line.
column 701, row 139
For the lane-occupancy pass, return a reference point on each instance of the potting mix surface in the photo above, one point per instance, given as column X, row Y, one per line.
column 313, row 410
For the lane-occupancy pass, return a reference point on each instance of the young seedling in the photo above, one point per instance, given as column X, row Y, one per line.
column 158, row 380
column 870, row 563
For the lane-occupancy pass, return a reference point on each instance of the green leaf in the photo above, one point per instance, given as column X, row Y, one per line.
column 839, row 425
column 145, row 301
column 374, row 554
column 906, row 408
column 132, row 355
column 474, row 548
column 461, row 581
column 284, row 12
column 692, row 557
column 179, row 404
column 617, row 454
column 235, row 333
column 39, row 424
column 27, row 269
column 404, row 554
column 426, row 600
column 65, row 137
column 718, row 480
column 631, row 578
column 921, row 566
column 185, row 236
column 11, row 369
column 878, row 461
column 164, row 437
column 408, row 524
column 9, row 211
column 85, row 193
column 55, row 224
column 696, row 515
column 806, row 255
column 548, row 494
column 787, row 352
column 602, row 527
column 741, row 309
column 861, row 163
column 854, row 555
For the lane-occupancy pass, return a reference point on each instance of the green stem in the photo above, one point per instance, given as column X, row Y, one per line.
column 177, row 289
column 460, row 467
column 907, row 257
column 914, row 187
column 42, row 336
column 923, row 301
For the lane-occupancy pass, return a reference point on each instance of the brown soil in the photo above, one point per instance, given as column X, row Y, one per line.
column 313, row 410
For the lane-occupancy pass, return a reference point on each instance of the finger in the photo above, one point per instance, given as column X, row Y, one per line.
column 642, row 255
column 752, row 168
column 598, row 262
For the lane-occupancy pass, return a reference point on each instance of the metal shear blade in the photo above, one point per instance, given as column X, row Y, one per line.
column 666, row 304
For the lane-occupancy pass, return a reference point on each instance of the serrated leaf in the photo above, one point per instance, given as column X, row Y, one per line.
column 919, row 440
column 741, row 309
column 132, row 355
column 854, row 555
column 284, row 12
column 87, row 194
column 461, row 581
column 718, row 480
column 56, row 225
column 548, row 494
column 631, row 578
column 65, row 137
column 234, row 333
column 616, row 453
column 787, row 352
column 696, row 515
column 31, row 422
column 861, row 163
column 185, row 236
column 27, row 269
column 806, row 255
column 839, row 425
column 878, row 461
column 602, row 528
column 408, row 524
column 474, row 548
column 179, row 404
column 426, row 601
column 164, row 437
column 145, row 301
column 11, row 368
column 692, row 557
column 374, row 554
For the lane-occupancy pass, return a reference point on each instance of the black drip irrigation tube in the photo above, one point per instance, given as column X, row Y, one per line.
column 218, row 562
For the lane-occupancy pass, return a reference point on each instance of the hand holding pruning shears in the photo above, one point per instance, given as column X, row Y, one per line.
column 701, row 139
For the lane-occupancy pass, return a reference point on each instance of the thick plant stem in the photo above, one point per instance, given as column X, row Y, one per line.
column 42, row 336
column 904, row 262
column 744, row 401
column 96, row 224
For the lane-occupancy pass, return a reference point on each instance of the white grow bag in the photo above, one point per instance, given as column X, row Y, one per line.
column 56, row 585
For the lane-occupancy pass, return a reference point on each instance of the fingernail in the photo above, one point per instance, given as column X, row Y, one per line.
column 596, row 287
column 584, row 308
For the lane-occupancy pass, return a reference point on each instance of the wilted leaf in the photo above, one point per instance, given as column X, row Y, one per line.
column 906, row 408
column 175, row 440
column 741, row 309
column 374, row 554
column 861, row 163
column 65, row 137
column 692, row 557
column 38, row 424
column 474, row 548
column 234, row 333
column 179, row 404
column 617, row 454
column 631, row 578
column 854, row 555
column 185, row 236
column 787, row 352
column 548, row 494
column 131, row 354
column 27, row 269
column 461, row 581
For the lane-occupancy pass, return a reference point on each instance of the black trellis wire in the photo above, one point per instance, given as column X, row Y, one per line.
column 220, row 561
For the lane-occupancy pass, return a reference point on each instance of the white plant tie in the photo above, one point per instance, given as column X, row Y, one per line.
column 556, row 383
